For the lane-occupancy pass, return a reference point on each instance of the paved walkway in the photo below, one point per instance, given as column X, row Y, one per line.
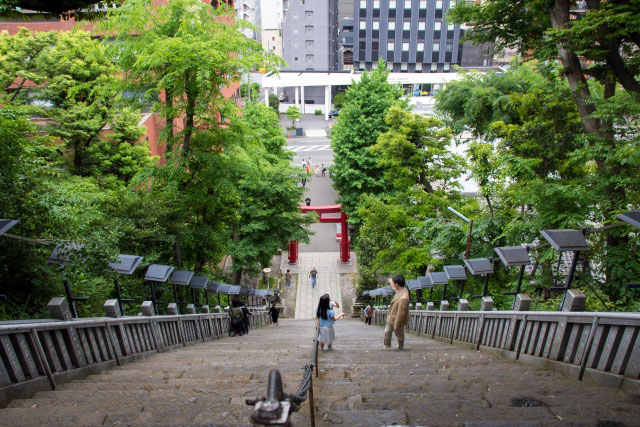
column 330, row 272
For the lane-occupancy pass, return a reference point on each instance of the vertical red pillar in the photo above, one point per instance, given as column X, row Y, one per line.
column 345, row 255
column 293, row 252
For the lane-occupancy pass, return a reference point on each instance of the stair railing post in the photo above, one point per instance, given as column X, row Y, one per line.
column 312, row 409
column 113, row 343
column 587, row 350
column 42, row 360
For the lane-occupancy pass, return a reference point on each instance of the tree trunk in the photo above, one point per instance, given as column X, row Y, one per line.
column 236, row 277
column 613, row 57
column 169, row 118
column 486, row 197
column 189, row 112
column 177, row 252
column 573, row 70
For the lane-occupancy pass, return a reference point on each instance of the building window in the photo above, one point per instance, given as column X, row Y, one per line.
column 308, row 15
column 285, row 4
column 376, row 4
column 422, row 26
column 363, row 25
column 376, row 25
column 437, row 26
column 295, row 58
column 363, row 4
column 309, row 44
column 308, row 30
column 407, row 4
column 406, row 25
column 446, row 67
column 294, row 16
column 434, row 67
column 391, row 46
column 392, row 25
column 405, row 47
column 439, row 4
column 436, row 47
column 449, row 47
column 295, row 44
column 403, row 66
column 392, row 4
column 418, row 66
column 420, row 47
column 295, row 30
column 363, row 45
column 309, row 59
column 423, row 4
column 451, row 27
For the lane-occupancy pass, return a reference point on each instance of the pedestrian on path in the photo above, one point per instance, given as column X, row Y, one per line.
column 323, row 169
column 274, row 313
column 313, row 274
column 304, row 164
column 368, row 313
column 246, row 316
column 398, row 314
column 304, row 181
column 287, row 278
column 326, row 318
column 317, row 170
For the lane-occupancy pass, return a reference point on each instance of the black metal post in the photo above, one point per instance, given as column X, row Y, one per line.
column 175, row 296
column 486, row 285
column 72, row 306
column 515, row 295
column 153, row 297
column 312, row 409
column 461, row 289
column 206, row 295
column 219, row 303
column 444, row 291
column 574, row 264
column 193, row 296
column 119, row 296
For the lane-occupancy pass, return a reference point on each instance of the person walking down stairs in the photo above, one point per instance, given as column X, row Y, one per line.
column 313, row 274
column 398, row 313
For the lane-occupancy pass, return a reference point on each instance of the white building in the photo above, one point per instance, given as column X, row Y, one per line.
column 271, row 14
column 249, row 10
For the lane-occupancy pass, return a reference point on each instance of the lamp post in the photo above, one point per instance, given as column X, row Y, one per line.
column 61, row 256
column 157, row 273
column 456, row 272
column 470, row 222
column 512, row 256
column 183, row 278
column 565, row 241
column 127, row 265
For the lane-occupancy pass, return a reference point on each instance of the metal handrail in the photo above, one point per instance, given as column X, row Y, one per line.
column 277, row 406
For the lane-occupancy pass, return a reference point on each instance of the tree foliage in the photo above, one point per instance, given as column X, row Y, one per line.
column 356, row 170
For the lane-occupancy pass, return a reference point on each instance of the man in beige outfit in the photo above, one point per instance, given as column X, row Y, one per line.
column 398, row 314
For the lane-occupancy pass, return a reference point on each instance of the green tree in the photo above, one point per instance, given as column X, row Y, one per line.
column 422, row 175
column 339, row 100
column 356, row 170
column 608, row 35
column 274, row 103
column 293, row 114
column 80, row 77
column 119, row 156
column 183, row 61
column 269, row 217
column 19, row 58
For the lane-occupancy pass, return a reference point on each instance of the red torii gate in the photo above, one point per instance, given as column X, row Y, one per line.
column 345, row 254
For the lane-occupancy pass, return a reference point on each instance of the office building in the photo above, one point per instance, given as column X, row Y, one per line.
column 411, row 36
column 310, row 40
column 271, row 15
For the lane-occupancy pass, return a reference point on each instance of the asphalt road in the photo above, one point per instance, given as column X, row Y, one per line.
column 318, row 188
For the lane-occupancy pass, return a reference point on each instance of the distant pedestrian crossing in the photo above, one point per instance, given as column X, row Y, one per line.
column 302, row 148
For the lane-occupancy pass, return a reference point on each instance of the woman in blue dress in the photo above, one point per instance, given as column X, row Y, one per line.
column 326, row 319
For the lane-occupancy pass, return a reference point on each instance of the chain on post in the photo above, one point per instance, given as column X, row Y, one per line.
column 275, row 408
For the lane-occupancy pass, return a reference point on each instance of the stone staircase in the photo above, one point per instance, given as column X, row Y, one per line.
column 360, row 384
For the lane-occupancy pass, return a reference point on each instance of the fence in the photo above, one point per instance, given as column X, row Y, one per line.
column 35, row 354
column 595, row 343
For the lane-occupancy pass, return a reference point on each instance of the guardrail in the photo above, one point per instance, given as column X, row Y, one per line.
column 596, row 343
column 35, row 354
